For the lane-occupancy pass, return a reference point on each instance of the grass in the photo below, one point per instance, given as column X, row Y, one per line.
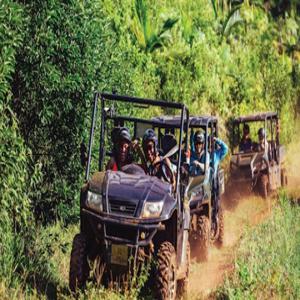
column 267, row 264
column 49, row 273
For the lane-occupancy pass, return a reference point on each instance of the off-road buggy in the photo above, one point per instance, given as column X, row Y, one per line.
column 202, row 190
column 259, row 170
column 205, row 191
column 128, row 217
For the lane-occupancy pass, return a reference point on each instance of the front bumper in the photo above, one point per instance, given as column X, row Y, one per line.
column 122, row 230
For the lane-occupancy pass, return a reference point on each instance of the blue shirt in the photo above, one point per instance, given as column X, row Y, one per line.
column 220, row 152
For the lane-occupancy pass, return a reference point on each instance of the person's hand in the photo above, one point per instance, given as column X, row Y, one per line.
column 196, row 163
column 199, row 165
column 135, row 144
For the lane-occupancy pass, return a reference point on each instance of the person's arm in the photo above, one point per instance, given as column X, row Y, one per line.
column 173, row 181
column 223, row 149
column 135, row 145
column 196, row 164
column 193, row 165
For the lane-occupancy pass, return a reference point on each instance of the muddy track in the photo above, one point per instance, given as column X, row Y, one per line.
column 206, row 277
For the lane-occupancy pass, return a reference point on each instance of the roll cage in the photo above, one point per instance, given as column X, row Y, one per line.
column 270, row 122
column 108, row 113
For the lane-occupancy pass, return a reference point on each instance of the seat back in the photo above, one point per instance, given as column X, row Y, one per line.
column 168, row 142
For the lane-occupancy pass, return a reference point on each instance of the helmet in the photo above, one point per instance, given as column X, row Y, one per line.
column 150, row 135
column 261, row 133
column 124, row 134
column 119, row 134
column 199, row 137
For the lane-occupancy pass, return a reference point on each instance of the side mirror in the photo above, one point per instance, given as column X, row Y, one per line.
column 83, row 155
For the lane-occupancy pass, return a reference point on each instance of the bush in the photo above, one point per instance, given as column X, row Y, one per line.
column 268, row 259
column 69, row 50
column 54, row 54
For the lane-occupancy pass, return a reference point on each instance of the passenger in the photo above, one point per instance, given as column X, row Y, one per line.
column 199, row 161
column 220, row 152
column 121, row 149
column 153, row 158
column 246, row 142
column 262, row 144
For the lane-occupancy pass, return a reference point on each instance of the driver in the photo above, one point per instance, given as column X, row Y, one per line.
column 121, row 155
column 246, row 142
column 155, row 162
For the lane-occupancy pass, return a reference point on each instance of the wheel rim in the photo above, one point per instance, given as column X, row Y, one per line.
column 172, row 282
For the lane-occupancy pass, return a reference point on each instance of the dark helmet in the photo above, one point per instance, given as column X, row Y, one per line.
column 124, row 135
column 150, row 135
column 261, row 133
column 119, row 134
column 199, row 137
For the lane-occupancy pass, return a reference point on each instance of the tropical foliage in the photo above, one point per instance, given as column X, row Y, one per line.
column 219, row 57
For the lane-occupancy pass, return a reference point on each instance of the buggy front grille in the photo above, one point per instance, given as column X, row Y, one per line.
column 122, row 208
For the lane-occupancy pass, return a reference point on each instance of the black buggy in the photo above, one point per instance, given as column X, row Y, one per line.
column 204, row 189
column 257, row 169
column 128, row 217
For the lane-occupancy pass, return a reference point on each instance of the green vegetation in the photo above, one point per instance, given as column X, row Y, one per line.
column 219, row 57
column 268, row 258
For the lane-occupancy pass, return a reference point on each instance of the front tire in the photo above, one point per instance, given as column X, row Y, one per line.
column 220, row 239
column 203, row 227
column 263, row 186
column 79, row 268
column 183, row 284
column 166, row 272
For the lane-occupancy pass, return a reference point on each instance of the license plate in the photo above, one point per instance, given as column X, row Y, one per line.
column 119, row 254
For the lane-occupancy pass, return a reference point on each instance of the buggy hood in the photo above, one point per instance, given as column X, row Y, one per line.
column 134, row 187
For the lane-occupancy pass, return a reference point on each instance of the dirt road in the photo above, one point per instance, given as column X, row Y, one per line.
column 206, row 277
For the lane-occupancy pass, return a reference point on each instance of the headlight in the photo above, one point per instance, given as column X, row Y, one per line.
column 94, row 201
column 152, row 209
